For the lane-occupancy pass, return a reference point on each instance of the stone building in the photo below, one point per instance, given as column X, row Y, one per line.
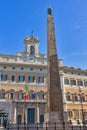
column 74, row 82
column 29, row 68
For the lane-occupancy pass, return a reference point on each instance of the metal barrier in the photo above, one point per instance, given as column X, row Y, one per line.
column 45, row 126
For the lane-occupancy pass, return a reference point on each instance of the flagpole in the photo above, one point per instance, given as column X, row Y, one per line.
column 24, row 110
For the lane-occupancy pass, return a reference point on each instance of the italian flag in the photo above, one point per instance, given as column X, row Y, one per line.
column 27, row 93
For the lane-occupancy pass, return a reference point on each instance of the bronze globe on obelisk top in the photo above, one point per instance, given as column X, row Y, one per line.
column 49, row 11
column 54, row 96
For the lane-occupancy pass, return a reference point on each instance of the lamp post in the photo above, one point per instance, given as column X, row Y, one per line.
column 24, row 111
column 80, row 92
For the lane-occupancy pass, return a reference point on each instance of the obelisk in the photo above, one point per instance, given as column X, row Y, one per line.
column 54, row 96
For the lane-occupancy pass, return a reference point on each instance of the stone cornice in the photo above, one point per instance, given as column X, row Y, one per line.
column 72, row 69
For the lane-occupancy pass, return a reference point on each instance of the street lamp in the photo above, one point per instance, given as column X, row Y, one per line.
column 24, row 109
column 81, row 99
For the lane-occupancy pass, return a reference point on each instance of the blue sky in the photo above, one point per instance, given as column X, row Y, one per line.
column 19, row 17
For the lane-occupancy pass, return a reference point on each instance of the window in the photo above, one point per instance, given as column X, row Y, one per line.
column 68, row 97
column 32, row 50
column 76, row 112
column 31, row 79
column 21, row 79
column 85, row 114
column 65, row 72
column 2, row 94
column 13, row 78
column 40, row 69
column 13, row 68
column 80, row 83
column 11, row 94
column 4, row 67
column 41, row 95
column 73, row 82
column 85, row 83
column 33, row 95
column 41, row 79
column 75, row 98
column 3, row 78
column 82, row 97
column 69, row 113
column 31, row 69
column 20, row 96
column 66, row 81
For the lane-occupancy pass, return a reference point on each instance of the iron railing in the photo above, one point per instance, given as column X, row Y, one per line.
column 44, row 126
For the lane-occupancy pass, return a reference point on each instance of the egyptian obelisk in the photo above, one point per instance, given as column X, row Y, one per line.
column 54, row 96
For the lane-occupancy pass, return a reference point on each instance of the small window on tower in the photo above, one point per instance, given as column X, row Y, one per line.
column 32, row 50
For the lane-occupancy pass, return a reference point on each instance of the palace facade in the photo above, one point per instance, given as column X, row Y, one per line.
column 29, row 68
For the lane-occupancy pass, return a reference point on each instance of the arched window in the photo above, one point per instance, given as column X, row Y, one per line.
column 41, row 95
column 20, row 95
column 82, row 97
column 80, row 83
column 41, row 118
column 85, row 83
column 66, row 81
column 31, row 94
column 68, row 96
column 32, row 50
column 13, row 78
column 75, row 97
column 11, row 94
column 2, row 94
column 73, row 82
column 76, row 113
column 69, row 114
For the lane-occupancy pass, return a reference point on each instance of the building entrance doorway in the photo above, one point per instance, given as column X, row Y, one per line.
column 3, row 117
column 31, row 115
column 19, row 119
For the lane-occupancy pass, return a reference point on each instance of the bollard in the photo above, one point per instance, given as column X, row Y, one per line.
column 18, row 126
column 46, row 126
column 55, row 125
column 8, row 126
column 37, row 126
column 24, row 125
column 71, row 124
column 63, row 125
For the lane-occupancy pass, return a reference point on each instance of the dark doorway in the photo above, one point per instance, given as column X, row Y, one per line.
column 31, row 116
column 19, row 119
